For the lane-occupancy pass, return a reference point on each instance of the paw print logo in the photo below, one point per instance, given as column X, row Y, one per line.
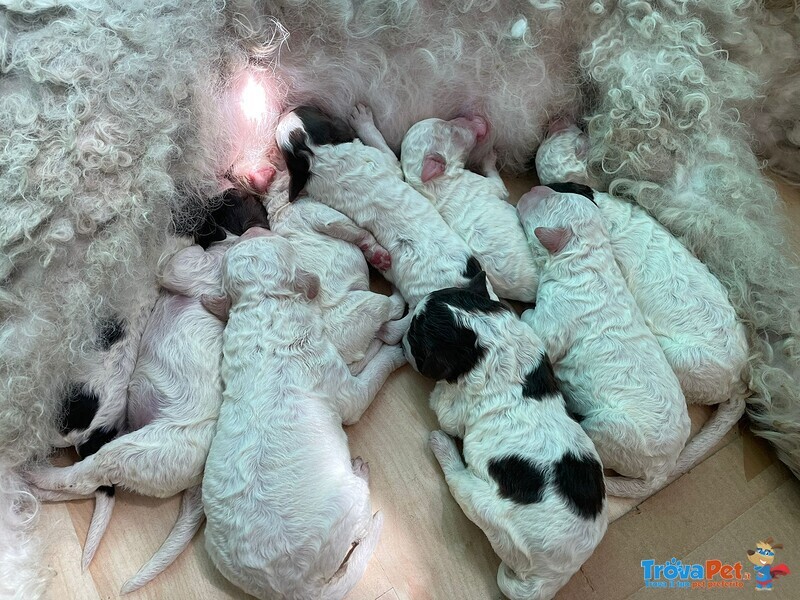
column 763, row 558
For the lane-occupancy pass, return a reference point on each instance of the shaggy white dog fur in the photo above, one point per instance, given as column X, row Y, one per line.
column 108, row 109
column 433, row 156
column 533, row 481
column 288, row 512
column 611, row 368
column 174, row 398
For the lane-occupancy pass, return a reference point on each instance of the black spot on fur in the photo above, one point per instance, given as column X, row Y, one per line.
column 473, row 267
column 78, row 408
column 99, row 438
column 234, row 212
column 108, row 490
column 322, row 128
column 580, row 481
column 540, row 381
column 573, row 188
column 519, row 479
column 472, row 298
column 298, row 162
column 577, row 417
column 111, row 331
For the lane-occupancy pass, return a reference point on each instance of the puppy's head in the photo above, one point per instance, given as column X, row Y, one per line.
column 561, row 215
column 562, row 155
column 236, row 212
column 433, row 147
column 262, row 264
column 439, row 343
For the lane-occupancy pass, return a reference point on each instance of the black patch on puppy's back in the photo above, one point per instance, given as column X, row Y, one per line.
column 579, row 480
column 99, row 438
column 110, row 332
column 540, row 381
column 78, row 408
column 569, row 187
column 518, row 479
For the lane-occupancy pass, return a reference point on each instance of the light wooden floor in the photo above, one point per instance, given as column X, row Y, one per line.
column 429, row 550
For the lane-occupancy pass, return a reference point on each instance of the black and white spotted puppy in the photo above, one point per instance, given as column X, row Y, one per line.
column 533, row 481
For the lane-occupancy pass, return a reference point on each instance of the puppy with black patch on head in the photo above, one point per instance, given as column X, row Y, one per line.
column 365, row 183
column 533, row 481
column 434, row 155
column 611, row 368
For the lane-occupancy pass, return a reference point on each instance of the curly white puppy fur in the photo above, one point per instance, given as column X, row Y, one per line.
column 613, row 372
column 365, row 183
column 433, row 155
column 174, row 398
column 288, row 512
column 334, row 248
column 533, row 481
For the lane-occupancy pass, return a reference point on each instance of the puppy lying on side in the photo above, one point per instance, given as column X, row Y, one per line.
column 334, row 248
column 611, row 368
column 682, row 302
column 365, row 183
column 533, row 481
column 434, row 155
column 174, row 398
column 288, row 511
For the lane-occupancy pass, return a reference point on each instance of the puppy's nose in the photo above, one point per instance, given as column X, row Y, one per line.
column 256, row 232
column 530, row 201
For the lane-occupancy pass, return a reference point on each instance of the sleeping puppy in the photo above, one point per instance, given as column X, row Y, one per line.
column 288, row 511
column 173, row 402
column 334, row 248
column 533, row 481
column 434, row 155
column 365, row 183
column 611, row 368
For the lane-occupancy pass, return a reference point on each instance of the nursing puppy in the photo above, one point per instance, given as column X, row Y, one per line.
column 365, row 183
column 434, row 155
column 288, row 511
column 334, row 248
column 611, row 368
column 174, row 398
column 533, row 481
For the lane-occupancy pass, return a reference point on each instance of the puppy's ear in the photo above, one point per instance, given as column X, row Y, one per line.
column 478, row 285
column 553, row 238
column 219, row 306
column 432, row 166
column 306, row 283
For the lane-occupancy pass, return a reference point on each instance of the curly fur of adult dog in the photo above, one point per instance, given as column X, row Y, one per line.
column 533, row 481
column 288, row 513
column 609, row 364
column 433, row 156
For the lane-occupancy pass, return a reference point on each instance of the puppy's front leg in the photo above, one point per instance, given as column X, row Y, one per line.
column 362, row 121
column 489, row 168
column 357, row 393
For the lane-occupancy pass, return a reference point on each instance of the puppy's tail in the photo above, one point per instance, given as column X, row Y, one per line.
column 726, row 416
column 534, row 588
column 352, row 570
column 103, row 507
column 189, row 519
column 298, row 132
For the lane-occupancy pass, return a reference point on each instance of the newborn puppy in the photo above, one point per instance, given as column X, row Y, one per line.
column 174, row 397
column 434, row 153
column 682, row 302
column 334, row 248
column 611, row 368
column 533, row 481
column 365, row 183
column 288, row 511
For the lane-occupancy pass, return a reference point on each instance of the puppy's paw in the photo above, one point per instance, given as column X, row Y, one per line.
column 361, row 115
column 377, row 256
column 444, row 449
column 391, row 332
column 360, row 468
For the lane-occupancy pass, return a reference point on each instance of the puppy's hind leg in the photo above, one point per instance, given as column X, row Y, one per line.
column 356, row 393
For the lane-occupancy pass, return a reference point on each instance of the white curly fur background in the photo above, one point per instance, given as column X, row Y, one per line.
column 117, row 115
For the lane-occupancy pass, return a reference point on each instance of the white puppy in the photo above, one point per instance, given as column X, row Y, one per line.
column 334, row 248
column 533, row 481
column 174, row 398
column 434, row 155
column 288, row 511
column 684, row 305
column 365, row 183
column 613, row 372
